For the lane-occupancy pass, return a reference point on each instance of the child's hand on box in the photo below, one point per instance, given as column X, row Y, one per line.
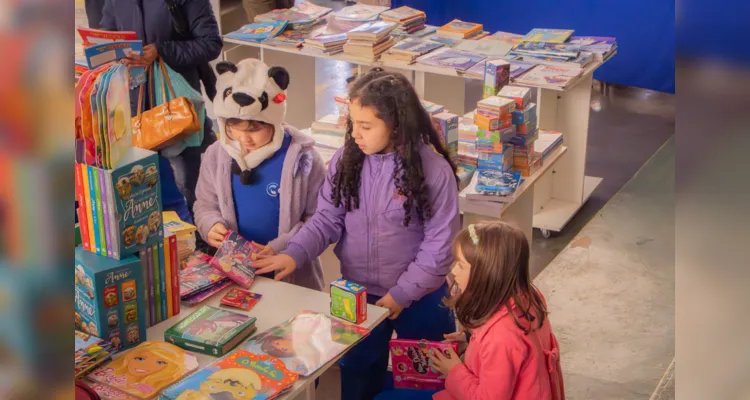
column 388, row 302
column 216, row 235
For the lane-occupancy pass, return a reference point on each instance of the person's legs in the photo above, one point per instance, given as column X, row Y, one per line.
column 406, row 394
column 257, row 7
column 171, row 197
column 363, row 366
column 94, row 12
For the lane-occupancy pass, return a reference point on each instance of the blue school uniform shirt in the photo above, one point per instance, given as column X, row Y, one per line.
column 257, row 205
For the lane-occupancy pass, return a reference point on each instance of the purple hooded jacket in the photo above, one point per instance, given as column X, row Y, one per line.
column 373, row 246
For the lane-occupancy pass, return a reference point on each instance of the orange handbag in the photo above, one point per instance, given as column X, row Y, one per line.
column 167, row 123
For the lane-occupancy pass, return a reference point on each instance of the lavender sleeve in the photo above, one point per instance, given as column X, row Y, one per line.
column 325, row 227
column 434, row 259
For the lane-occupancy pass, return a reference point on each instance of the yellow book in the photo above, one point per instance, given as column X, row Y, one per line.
column 174, row 224
column 168, row 273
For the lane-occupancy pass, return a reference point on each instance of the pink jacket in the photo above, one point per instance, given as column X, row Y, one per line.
column 502, row 362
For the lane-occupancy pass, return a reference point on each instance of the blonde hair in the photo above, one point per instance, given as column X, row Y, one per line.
column 173, row 355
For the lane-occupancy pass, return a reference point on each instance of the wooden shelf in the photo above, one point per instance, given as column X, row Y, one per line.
column 556, row 213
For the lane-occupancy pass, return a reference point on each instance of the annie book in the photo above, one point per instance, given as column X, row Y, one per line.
column 307, row 341
column 144, row 371
column 210, row 330
column 241, row 375
column 412, row 368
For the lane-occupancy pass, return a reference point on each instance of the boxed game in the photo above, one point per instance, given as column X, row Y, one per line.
column 522, row 116
column 210, row 330
column 532, row 168
column 496, row 106
column 502, row 161
column 498, row 136
column 526, row 140
column 496, row 75
column 528, row 127
column 448, row 124
column 412, row 368
column 493, row 123
column 107, row 298
column 467, row 132
column 349, row 301
column 521, row 95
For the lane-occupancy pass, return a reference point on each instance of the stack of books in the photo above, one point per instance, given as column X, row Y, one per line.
column 548, row 142
column 360, row 13
column 409, row 20
column 90, row 351
column 548, row 35
column 160, row 270
column 288, row 39
column 184, row 232
column 564, row 55
column 493, row 119
column 449, row 58
column 409, row 50
column 458, row 29
column 493, row 186
column 303, row 16
column 603, row 48
column 325, row 44
column 547, row 76
column 367, row 42
column 467, row 151
column 199, row 280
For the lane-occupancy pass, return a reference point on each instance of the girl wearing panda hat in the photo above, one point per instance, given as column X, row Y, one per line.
column 262, row 177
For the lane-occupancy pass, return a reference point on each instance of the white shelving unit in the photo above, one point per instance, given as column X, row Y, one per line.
column 559, row 192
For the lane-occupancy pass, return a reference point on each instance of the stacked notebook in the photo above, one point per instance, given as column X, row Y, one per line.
column 326, row 44
column 407, row 51
column 564, row 55
column 359, row 13
column 458, row 29
column 199, row 280
column 409, row 20
column 603, row 48
column 367, row 42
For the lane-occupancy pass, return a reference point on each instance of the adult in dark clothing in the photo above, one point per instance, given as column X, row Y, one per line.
column 94, row 12
column 186, row 53
column 254, row 8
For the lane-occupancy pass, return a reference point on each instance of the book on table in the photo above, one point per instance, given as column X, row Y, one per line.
column 258, row 31
column 450, row 58
column 402, row 14
column 458, row 29
column 547, row 35
column 210, row 330
column 359, row 12
column 313, row 10
column 368, row 49
column 601, row 47
column 505, row 37
column 488, row 48
column 549, row 76
column 415, row 47
column 374, row 31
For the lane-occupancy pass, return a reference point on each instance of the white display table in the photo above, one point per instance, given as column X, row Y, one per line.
column 280, row 302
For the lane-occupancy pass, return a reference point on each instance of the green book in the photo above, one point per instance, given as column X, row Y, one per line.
column 210, row 330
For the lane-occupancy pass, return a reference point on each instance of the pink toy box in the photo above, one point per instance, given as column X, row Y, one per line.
column 412, row 368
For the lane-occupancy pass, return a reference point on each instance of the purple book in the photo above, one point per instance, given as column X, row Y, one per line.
column 106, row 211
column 151, row 301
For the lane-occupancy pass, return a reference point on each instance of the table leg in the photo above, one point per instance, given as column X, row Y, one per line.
column 310, row 391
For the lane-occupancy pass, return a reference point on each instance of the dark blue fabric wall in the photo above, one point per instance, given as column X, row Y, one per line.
column 644, row 29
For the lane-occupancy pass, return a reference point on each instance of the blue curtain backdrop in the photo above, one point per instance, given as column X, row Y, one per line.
column 644, row 30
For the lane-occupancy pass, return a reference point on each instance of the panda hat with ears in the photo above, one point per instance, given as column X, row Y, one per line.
column 250, row 90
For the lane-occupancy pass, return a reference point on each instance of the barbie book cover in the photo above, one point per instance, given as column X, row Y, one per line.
column 234, row 257
column 144, row 371
column 307, row 341
column 411, row 365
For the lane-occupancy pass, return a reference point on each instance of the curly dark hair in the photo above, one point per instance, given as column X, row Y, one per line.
column 396, row 102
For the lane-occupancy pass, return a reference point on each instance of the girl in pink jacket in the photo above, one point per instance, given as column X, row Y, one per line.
column 512, row 352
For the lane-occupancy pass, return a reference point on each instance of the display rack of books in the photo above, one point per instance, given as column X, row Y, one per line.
column 367, row 42
column 409, row 20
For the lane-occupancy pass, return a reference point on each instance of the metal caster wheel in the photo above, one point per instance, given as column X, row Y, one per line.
column 546, row 233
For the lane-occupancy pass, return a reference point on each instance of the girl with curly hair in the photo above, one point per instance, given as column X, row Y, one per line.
column 390, row 202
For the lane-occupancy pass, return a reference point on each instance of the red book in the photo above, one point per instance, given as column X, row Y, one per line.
column 240, row 298
column 82, row 217
column 173, row 264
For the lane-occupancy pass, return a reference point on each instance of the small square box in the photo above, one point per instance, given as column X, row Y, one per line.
column 349, row 301
column 521, row 95
column 496, row 75
column 522, row 116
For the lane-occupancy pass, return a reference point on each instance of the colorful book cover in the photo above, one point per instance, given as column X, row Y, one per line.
column 234, row 258
column 108, row 392
column 147, row 369
column 594, row 44
column 101, row 246
column 376, row 28
column 313, row 10
column 113, row 215
column 199, row 275
column 104, row 53
column 101, row 96
column 546, row 75
column 118, row 114
column 518, row 68
column 240, row 298
column 137, row 200
column 151, row 294
column 259, row 31
column 168, row 276
column 565, row 51
column 548, row 35
column 412, row 368
column 87, row 192
column 91, row 36
column 175, row 275
column 157, row 281
column 94, row 107
column 416, row 46
column 162, row 280
column 505, row 37
column 198, row 297
column 307, row 341
column 174, row 224
column 241, row 375
column 210, row 330
column 106, row 213
column 449, row 58
column 460, row 27
column 497, row 182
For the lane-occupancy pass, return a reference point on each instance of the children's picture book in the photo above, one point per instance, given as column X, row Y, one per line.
column 210, row 330
column 313, row 10
column 412, row 368
column 485, row 47
column 548, row 35
column 240, row 298
column 360, row 12
column 518, row 68
column 546, row 75
column 371, row 31
column 496, row 182
column 259, row 31
column 416, row 47
column 450, row 58
column 198, row 297
column 505, row 37
column 198, row 275
column 459, row 29
column 145, row 370
column 118, row 115
column 307, row 341
column 100, row 54
column 195, row 258
column 90, row 351
column 108, row 392
column 92, row 37
column 234, row 258
column 241, row 375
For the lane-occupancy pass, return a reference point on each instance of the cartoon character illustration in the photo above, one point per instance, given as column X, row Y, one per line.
column 152, row 176
column 141, row 235
column 226, row 322
column 123, row 187
column 259, row 31
column 128, row 235
column 112, row 320
column 145, row 369
column 132, row 334
column 154, row 221
column 137, row 175
column 277, row 346
column 78, row 322
column 556, row 79
column 229, row 383
column 128, row 293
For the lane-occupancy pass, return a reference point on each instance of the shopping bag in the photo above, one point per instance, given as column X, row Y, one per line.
column 166, row 123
